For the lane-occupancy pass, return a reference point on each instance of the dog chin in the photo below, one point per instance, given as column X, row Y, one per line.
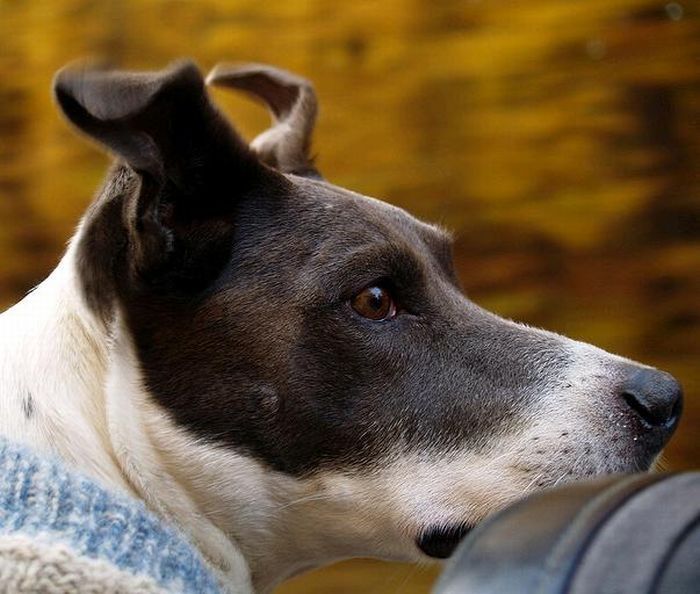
column 438, row 540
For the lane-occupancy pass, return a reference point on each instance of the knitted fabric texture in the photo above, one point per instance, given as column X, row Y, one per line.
column 62, row 532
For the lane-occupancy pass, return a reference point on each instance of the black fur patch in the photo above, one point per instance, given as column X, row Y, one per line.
column 28, row 406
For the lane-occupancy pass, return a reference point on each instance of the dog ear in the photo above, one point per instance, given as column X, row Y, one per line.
column 192, row 167
column 155, row 121
column 293, row 107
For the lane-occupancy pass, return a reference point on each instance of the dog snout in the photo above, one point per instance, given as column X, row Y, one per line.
column 655, row 397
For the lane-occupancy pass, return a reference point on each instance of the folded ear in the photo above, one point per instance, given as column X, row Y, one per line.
column 192, row 167
column 155, row 121
column 293, row 107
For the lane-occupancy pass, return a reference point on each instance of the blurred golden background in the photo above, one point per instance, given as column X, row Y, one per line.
column 559, row 139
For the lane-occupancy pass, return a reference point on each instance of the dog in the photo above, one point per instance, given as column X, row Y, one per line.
column 284, row 368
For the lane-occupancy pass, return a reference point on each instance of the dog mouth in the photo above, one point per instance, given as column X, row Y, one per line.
column 440, row 542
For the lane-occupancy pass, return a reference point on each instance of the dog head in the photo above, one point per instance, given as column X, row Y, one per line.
column 321, row 338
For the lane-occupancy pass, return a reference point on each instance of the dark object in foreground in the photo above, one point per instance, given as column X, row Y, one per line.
column 635, row 534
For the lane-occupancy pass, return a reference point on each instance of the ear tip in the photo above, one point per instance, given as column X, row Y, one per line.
column 78, row 69
column 65, row 80
column 223, row 72
column 214, row 75
column 60, row 85
column 231, row 74
column 69, row 82
column 66, row 86
column 106, row 93
column 75, row 73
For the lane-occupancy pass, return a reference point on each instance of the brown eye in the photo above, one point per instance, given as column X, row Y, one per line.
column 374, row 303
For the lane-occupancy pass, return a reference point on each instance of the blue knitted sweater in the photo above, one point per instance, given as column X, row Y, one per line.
column 62, row 532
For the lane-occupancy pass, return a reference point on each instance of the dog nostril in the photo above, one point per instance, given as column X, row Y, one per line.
column 655, row 396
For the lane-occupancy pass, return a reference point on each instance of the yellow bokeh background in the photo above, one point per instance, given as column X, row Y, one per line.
column 559, row 139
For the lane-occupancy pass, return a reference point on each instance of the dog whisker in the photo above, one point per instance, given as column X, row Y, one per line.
column 661, row 464
column 533, row 482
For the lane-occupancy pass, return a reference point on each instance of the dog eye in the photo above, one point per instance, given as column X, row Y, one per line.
column 374, row 303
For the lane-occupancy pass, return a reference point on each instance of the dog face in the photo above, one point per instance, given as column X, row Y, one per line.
column 323, row 334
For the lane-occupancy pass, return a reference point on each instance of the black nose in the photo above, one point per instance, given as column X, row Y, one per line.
column 655, row 396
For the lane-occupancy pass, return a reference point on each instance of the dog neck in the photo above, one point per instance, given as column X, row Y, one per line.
column 53, row 360
column 72, row 387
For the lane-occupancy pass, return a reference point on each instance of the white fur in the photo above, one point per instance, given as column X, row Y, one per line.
column 54, row 351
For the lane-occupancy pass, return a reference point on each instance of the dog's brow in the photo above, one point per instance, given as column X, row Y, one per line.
column 374, row 261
